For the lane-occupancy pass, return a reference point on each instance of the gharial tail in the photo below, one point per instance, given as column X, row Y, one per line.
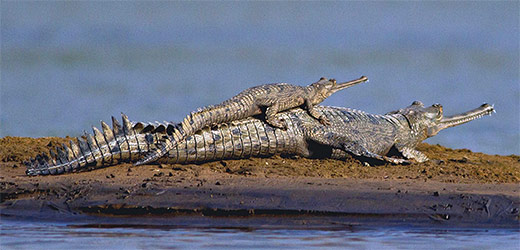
column 194, row 122
column 166, row 144
column 112, row 146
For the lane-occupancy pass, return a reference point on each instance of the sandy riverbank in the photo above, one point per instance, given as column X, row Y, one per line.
column 455, row 188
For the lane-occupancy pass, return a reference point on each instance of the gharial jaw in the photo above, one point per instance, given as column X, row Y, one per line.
column 325, row 88
column 458, row 119
column 426, row 122
column 344, row 85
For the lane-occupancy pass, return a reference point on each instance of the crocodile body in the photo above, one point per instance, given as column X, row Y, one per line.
column 350, row 132
column 268, row 99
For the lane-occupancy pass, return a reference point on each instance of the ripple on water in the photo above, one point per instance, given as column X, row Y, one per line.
column 17, row 234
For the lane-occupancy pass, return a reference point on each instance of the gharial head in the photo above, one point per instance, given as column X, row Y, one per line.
column 430, row 120
column 326, row 87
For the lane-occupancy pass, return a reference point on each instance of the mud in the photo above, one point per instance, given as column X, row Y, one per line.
column 456, row 187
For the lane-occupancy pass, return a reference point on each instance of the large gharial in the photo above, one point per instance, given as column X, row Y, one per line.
column 268, row 98
column 351, row 132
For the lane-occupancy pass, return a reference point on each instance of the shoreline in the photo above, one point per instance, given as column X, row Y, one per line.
column 456, row 188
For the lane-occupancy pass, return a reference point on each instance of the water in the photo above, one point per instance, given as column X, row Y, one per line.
column 40, row 235
column 66, row 65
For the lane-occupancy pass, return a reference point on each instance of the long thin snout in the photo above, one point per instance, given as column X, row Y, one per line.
column 345, row 85
column 450, row 121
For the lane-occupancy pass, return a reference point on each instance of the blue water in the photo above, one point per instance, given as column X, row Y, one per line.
column 66, row 65
column 17, row 235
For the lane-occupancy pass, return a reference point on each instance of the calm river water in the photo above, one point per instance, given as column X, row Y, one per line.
column 66, row 65
column 41, row 235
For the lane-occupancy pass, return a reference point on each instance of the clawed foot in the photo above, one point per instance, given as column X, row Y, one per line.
column 324, row 121
column 396, row 160
column 281, row 124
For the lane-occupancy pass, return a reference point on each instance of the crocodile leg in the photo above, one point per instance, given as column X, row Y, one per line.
column 411, row 153
column 272, row 119
column 315, row 113
column 341, row 141
column 276, row 106
column 358, row 150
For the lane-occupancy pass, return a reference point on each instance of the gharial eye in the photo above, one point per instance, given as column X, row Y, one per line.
column 438, row 107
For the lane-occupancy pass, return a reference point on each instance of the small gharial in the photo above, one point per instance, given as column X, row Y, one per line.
column 268, row 99
column 351, row 132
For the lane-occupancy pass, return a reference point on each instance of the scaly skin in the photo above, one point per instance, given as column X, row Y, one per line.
column 351, row 132
column 268, row 98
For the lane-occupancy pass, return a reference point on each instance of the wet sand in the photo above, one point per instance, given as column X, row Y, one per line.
column 456, row 188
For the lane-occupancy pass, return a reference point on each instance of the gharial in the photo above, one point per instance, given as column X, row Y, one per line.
column 268, row 98
column 351, row 132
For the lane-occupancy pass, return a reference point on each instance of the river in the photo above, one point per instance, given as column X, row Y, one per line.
column 66, row 65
